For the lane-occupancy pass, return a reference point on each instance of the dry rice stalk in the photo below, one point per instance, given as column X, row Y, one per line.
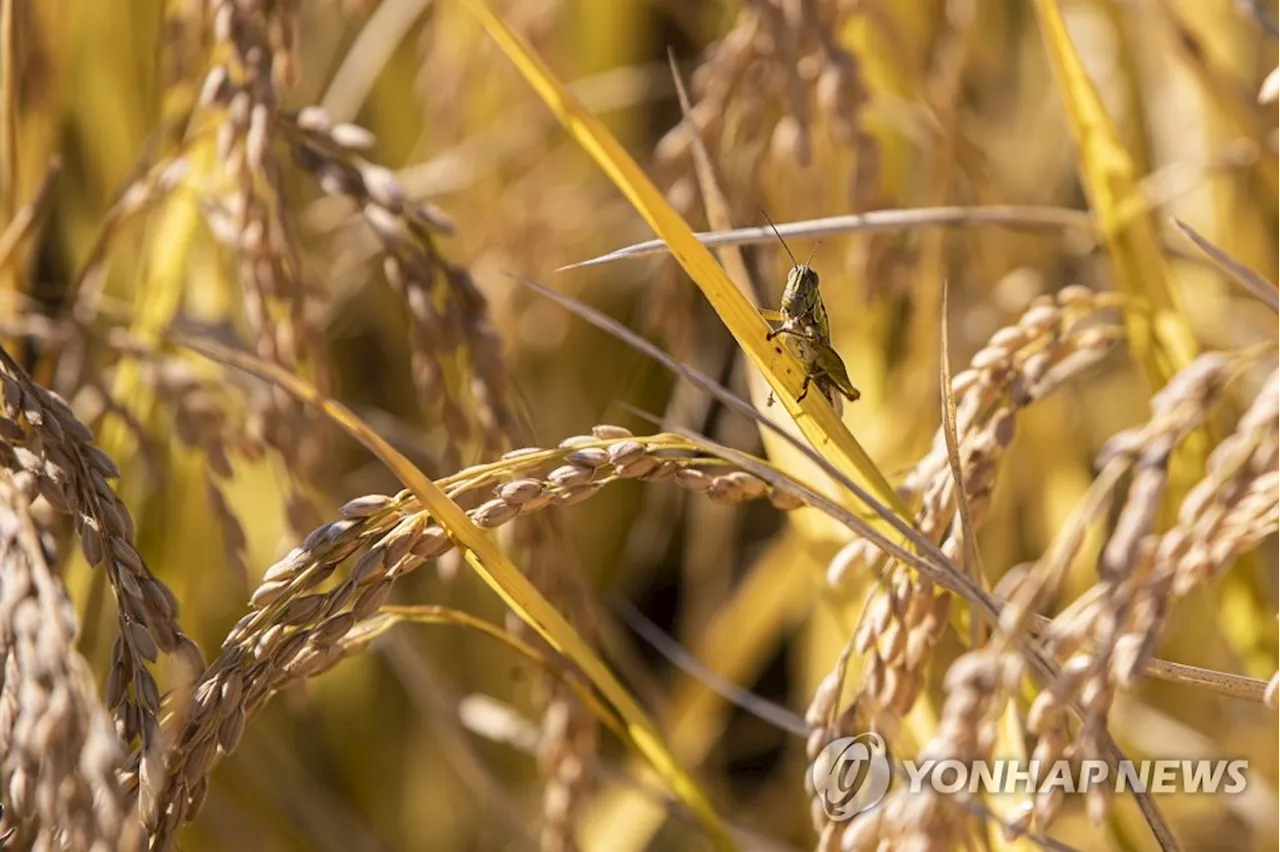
column 932, row 564
column 1053, row 341
column 778, row 50
column 906, row 614
column 1233, row 508
column 566, row 750
column 783, row 74
column 274, row 25
column 457, row 364
column 51, row 454
column 60, row 754
column 200, row 413
column 1121, row 620
column 293, row 630
column 252, row 218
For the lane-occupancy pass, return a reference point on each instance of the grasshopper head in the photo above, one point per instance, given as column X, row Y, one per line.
column 801, row 293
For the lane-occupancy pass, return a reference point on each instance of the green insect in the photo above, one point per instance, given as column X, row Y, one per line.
column 806, row 332
column 802, row 306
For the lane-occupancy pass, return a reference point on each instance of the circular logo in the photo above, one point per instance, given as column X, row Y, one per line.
column 851, row 775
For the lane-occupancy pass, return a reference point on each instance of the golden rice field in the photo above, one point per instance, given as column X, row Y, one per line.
column 414, row 435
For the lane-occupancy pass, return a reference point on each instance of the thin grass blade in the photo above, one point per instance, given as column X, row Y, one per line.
column 1003, row 216
column 1241, row 274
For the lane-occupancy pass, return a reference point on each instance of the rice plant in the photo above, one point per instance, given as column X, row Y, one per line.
column 396, row 451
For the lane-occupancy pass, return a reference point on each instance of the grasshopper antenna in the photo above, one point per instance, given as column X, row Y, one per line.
column 779, row 236
column 811, row 251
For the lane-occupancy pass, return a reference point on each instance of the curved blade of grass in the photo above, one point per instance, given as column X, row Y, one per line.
column 739, row 639
column 498, row 573
column 814, row 415
column 676, row 654
column 1241, row 274
column 1000, row 215
column 1162, row 342
column 713, row 198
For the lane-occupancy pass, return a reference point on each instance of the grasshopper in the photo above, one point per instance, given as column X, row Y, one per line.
column 806, row 332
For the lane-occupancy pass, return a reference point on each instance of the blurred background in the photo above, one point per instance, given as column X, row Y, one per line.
column 808, row 109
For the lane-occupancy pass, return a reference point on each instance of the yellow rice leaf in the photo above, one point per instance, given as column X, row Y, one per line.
column 815, row 417
column 1161, row 340
column 488, row 560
